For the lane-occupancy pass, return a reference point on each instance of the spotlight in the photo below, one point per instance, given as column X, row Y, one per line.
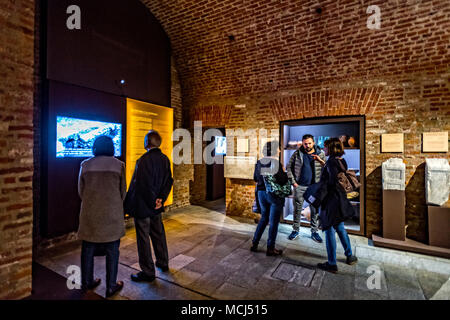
column 122, row 81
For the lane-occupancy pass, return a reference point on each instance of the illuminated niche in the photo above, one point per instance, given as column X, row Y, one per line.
column 142, row 117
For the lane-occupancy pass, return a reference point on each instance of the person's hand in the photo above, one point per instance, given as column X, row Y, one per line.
column 158, row 204
column 317, row 158
column 295, row 185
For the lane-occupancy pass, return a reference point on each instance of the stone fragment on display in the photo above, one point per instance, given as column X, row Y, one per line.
column 393, row 174
column 437, row 181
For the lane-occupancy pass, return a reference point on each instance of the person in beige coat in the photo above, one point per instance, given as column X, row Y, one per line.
column 102, row 189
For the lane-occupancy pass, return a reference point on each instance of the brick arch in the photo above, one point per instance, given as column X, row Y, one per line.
column 330, row 102
column 211, row 116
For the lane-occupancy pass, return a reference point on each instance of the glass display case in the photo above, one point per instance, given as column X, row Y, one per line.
column 350, row 130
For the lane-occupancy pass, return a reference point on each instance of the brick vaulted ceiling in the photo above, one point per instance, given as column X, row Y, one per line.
column 229, row 48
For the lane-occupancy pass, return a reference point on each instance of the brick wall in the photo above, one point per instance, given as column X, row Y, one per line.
column 183, row 174
column 16, row 147
column 283, row 60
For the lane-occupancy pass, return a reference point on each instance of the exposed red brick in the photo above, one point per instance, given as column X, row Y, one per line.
column 16, row 170
column 9, row 180
column 16, row 96
column 18, row 206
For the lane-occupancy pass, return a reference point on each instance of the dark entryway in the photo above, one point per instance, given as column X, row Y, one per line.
column 215, row 180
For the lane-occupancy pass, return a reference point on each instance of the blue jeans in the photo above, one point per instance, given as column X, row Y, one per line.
column 89, row 250
column 330, row 240
column 271, row 208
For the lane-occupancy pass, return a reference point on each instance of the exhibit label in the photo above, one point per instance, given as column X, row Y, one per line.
column 435, row 141
column 392, row 142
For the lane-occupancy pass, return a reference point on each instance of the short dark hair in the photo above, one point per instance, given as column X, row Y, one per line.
column 308, row 136
column 103, row 146
column 267, row 150
column 335, row 147
column 152, row 140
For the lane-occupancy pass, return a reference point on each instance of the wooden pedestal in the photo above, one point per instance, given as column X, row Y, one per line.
column 439, row 226
column 394, row 214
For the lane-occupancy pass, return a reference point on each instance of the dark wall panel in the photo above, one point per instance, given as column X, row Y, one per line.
column 118, row 39
column 63, row 203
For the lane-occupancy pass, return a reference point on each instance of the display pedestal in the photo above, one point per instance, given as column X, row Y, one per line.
column 394, row 214
column 439, row 226
column 411, row 245
column 394, row 233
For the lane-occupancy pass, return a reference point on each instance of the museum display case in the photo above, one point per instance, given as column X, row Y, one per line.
column 350, row 130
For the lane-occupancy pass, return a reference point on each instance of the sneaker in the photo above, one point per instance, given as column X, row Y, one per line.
column 327, row 267
column 141, row 276
column 315, row 236
column 351, row 260
column 273, row 252
column 294, row 235
column 254, row 248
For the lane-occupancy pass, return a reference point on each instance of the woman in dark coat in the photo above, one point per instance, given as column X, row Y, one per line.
column 271, row 205
column 102, row 189
column 335, row 206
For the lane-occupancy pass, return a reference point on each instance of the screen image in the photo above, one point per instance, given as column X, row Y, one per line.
column 221, row 145
column 75, row 137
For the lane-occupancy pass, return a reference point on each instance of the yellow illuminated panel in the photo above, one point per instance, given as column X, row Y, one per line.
column 142, row 117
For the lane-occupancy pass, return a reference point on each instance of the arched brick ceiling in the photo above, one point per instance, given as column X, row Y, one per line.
column 281, row 45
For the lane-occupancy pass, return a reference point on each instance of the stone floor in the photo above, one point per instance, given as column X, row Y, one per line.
column 210, row 259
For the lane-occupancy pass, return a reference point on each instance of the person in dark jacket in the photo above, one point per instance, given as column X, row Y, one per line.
column 150, row 186
column 304, row 168
column 335, row 207
column 271, row 205
column 102, row 188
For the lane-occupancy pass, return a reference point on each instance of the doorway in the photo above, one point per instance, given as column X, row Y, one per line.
column 351, row 130
column 215, row 179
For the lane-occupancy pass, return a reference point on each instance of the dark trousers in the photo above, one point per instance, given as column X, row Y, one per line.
column 154, row 228
column 271, row 208
column 91, row 249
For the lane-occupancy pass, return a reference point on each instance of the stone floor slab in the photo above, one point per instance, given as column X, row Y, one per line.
column 443, row 293
column 180, row 261
column 402, row 284
column 337, row 287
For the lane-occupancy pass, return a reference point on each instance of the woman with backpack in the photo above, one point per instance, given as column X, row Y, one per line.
column 272, row 185
column 335, row 207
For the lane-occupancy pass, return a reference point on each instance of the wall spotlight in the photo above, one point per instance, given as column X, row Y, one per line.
column 122, row 81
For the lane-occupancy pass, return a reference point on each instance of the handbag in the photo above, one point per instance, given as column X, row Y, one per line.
column 348, row 180
column 315, row 194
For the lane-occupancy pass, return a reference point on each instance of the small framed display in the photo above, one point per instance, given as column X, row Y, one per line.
column 392, row 142
column 242, row 145
column 435, row 141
